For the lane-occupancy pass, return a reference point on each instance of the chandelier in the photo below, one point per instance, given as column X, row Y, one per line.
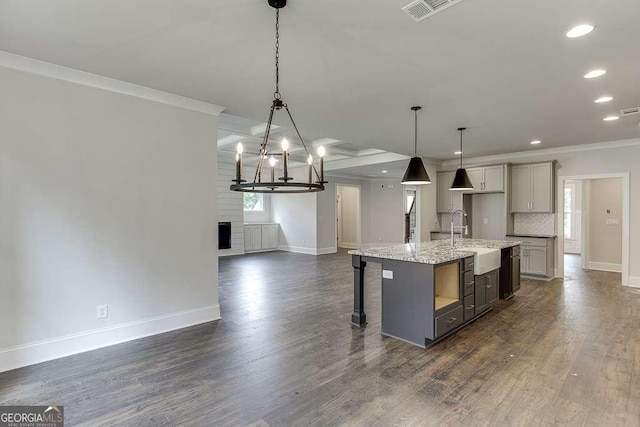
column 284, row 183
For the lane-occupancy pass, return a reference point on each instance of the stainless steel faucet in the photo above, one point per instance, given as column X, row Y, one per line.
column 462, row 227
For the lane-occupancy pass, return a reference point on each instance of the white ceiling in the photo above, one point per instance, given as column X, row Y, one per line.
column 352, row 69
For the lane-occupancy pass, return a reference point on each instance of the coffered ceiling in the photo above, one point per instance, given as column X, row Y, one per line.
column 352, row 69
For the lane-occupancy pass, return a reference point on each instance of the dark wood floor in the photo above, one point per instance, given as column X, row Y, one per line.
column 561, row 352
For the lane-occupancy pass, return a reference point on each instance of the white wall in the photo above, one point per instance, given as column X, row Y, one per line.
column 230, row 205
column 106, row 199
column 297, row 216
column 604, row 240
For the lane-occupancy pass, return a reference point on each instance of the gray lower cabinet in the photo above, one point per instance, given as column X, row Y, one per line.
column 449, row 321
column 486, row 290
column 423, row 303
column 469, row 307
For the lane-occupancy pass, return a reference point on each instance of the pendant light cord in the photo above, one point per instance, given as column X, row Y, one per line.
column 276, row 94
column 461, row 149
column 415, row 146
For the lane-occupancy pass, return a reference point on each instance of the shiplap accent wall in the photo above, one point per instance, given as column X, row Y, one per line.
column 230, row 208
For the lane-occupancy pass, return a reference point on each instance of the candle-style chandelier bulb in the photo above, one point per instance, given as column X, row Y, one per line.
column 272, row 161
column 285, row 144
column 321, row 151
column 239, row 148
column 310, row 160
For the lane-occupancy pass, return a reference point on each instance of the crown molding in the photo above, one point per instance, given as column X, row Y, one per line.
column 504, row 158
column 58, row 72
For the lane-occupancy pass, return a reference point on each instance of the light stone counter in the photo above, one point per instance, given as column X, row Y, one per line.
column 434, row 252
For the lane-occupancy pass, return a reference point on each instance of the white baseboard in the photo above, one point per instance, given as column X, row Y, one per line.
column 324, row 251
column 230, row 252
column 346, row 245
column 42, row 351
column 298, row 249
column 634, row 282
column 308, row 251
column 604, row 266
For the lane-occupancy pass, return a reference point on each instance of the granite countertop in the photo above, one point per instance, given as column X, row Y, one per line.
column 446, row 232
column 540, row 236
column 434, row 252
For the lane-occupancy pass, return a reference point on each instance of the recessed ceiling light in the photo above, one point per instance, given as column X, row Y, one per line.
column 580, row 30
column 385, row 171
column 611, row 118
column 603, row 99
column 595, row 73
column 536, row 142
column 457, row 153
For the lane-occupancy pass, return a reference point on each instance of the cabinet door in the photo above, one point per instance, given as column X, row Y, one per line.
column 256, row 237
column 247, row 238
column 520, row 188
column 476, row 175
column 264, row 234
column 537, row 260
column 492, row 288
column 274, row 234
column 444, row 197
column 481, row 294
column 494, row 178
column 542, row 188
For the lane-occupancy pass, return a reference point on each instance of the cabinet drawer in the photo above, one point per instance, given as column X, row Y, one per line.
column 469, row 282
column 467, row 264
column 469, row 307
column 515, row 251
column 449, row 321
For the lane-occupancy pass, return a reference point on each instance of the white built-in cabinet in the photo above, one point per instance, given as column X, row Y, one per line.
column 261, row 237
column 447, row 200
column 532, row 188
column 487, row 179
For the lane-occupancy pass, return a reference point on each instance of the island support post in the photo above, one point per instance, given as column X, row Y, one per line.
column 358, row 318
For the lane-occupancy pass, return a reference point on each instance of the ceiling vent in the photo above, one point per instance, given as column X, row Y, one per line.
column 420, row 10
column 629, row 111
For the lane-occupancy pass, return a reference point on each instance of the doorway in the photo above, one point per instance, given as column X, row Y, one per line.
column 411, row 211
column 594, row 227
column 348, row 219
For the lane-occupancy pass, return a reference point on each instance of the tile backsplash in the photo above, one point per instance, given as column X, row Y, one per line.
column 534, row 223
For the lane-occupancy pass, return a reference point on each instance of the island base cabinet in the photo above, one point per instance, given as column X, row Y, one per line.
column 449, row 321
column 486, row 291
column 469, row 307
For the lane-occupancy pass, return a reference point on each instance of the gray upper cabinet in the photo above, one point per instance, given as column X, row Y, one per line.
column 447, row 200
column 532, row 188
column 488, row 179
column 476, row 175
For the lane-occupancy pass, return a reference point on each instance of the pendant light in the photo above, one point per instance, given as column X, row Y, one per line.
column 461, row 181
column 285, row 183
column 416, row 173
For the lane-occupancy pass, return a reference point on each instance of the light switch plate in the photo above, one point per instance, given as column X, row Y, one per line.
column 387, row 274
column 612, row 221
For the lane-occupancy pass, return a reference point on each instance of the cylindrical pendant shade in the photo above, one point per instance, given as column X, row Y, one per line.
column 416, row 173
column 461, row 181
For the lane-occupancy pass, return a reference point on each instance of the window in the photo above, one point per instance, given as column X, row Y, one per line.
column 253, row 202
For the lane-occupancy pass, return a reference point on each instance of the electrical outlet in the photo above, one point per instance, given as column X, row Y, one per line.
column 387, row 274
column 102, row 311
column 485, row 220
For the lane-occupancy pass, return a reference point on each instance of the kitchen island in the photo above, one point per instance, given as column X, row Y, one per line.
column 430, row 290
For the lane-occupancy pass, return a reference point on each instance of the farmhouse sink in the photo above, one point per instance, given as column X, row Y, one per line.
column 485, row 260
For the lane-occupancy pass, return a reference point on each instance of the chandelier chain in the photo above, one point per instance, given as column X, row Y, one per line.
column 277, row 92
